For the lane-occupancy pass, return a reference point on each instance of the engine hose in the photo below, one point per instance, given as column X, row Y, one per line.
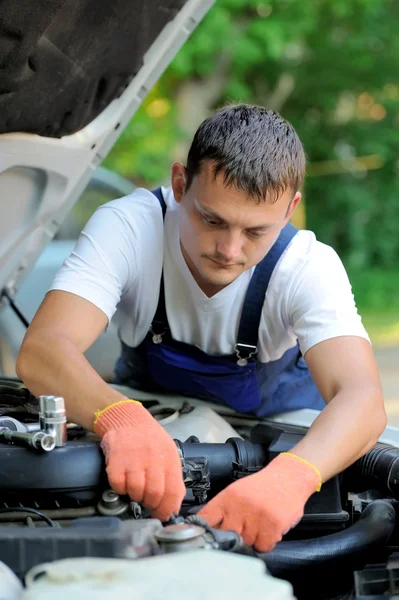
column 226, row 459
column 80, row 465
column 373, row 530
column 377, row 470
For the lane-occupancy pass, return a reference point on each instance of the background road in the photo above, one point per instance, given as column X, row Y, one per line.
column 388, row 363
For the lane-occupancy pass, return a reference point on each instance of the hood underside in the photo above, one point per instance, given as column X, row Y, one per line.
column 72, row 75
column 63, row 61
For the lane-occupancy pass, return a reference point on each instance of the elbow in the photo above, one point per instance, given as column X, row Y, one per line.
column 22, row 362
column 381, row 425
column 381, row 419
column 378, row 420
column 25, row 361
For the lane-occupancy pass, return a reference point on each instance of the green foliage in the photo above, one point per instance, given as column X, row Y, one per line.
column 331, row 69
column 376, row 289
column 142, row 153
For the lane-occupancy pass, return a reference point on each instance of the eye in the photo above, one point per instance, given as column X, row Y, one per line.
column 210, row 221
column 255, row 234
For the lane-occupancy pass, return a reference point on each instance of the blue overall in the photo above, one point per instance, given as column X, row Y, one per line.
column 238, row 380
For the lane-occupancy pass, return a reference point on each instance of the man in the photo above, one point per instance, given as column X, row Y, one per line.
column 216, row 296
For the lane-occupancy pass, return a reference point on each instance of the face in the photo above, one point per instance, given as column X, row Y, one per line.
column 223, row 231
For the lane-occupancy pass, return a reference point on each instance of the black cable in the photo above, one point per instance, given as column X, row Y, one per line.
column 197, row 520
column 226, row 540
column 49, row 522
column 15, row 308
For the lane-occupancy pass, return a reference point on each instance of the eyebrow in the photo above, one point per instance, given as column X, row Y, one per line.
column 212, row 213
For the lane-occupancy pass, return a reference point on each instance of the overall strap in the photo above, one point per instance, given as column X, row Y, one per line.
column 247, row 339
column 158, row 194
column 160, row 321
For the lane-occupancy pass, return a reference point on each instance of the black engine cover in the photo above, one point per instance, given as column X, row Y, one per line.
column 73, row 474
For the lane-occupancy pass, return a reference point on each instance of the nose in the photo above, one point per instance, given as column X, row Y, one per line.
column 229, row 245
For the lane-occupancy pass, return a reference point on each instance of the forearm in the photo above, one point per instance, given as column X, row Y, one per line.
column 51, row 364
column 345, row 430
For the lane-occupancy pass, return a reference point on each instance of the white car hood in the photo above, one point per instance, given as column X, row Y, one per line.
column 66, row 95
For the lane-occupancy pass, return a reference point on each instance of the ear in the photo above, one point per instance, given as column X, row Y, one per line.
column 178, row 181
column 292, row 206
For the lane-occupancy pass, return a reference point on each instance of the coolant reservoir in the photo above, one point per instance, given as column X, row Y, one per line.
column 10, row 586
column 201, row 421
column 198, row 575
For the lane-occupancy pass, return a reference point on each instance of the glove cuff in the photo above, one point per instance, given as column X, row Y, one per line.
column 297, row 478
column 118, row 415
column 305, row 462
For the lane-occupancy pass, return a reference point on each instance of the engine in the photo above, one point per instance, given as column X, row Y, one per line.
column 56, row 506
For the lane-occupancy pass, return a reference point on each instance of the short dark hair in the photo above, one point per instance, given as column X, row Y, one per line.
column 257, row 150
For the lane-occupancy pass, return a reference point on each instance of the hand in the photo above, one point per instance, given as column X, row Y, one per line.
column 265, row 506
column 142, row 459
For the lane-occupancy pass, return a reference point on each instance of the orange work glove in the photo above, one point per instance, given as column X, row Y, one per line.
column 265, row 506
column 141, row 458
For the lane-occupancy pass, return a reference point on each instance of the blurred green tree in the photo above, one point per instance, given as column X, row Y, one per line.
column 331, row 69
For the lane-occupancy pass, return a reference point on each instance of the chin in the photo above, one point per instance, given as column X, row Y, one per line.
column 219, row 279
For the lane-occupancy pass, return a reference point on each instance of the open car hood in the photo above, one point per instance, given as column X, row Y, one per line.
column 72, row 74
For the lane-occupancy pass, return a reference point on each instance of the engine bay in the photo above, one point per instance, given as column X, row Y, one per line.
column 56, row 504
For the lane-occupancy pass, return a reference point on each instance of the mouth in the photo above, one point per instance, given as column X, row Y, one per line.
column 223, row 265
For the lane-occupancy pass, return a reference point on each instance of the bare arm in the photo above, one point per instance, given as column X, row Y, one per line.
column 51, row 359
column 345, row 371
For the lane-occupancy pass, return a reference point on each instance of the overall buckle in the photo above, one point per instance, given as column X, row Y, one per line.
column 249, row 350
column 156, row 337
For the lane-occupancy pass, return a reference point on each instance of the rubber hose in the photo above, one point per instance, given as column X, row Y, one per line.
column 373, row 530
column 378, row 470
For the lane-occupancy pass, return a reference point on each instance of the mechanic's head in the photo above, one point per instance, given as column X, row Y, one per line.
column 238, row 190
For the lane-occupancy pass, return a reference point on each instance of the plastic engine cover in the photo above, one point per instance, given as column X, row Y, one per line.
column 198, row 575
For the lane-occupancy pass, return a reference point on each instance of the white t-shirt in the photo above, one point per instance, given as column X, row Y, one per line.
column 117, row 263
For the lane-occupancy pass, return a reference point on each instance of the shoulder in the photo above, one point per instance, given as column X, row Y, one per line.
column 131, row 219
column 304, row 259
column 139, row 202
column 315, row 263
column 310, row 276
column 318, row 302
column 315, row 259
